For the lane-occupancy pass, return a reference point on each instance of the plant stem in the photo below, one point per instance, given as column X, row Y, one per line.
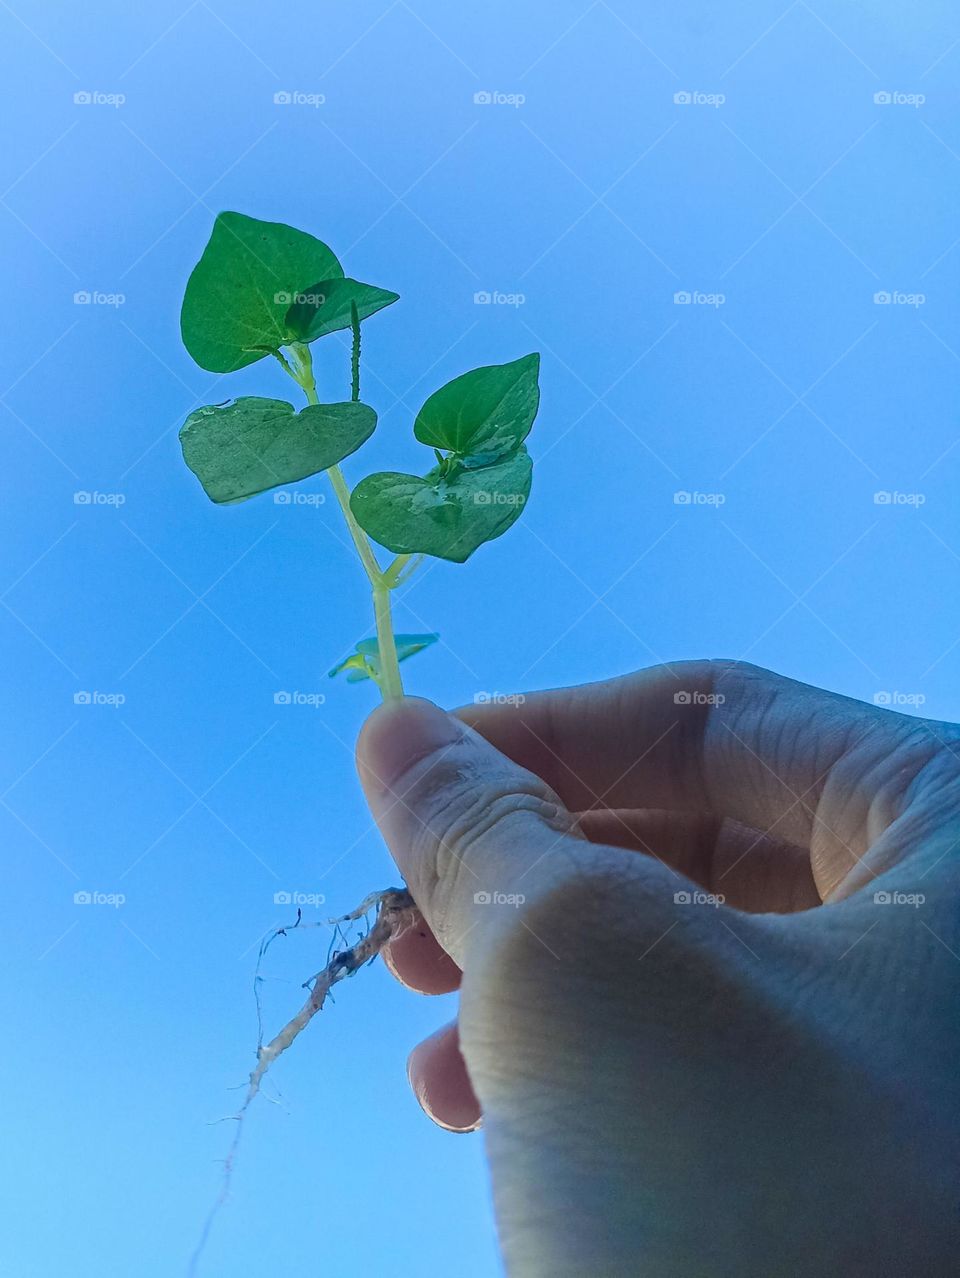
column 393, row 570
column 390, row 683
column 402, row 569
column 364, row 549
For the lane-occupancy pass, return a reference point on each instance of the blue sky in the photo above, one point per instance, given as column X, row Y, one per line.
column 792, row 169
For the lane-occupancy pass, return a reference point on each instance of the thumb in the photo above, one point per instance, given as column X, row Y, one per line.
column 465, row 824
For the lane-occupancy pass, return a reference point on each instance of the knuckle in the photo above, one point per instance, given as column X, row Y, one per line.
column 456, row 814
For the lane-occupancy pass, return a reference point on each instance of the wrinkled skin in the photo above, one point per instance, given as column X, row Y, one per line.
column 763, row 1086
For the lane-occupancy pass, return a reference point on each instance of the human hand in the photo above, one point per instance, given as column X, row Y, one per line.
column 671, row 1085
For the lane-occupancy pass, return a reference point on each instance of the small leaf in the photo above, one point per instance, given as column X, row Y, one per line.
column 249, row 445
column 487, row 411
column 236, row 299
column 445, row 516
column 325, row 307
column 364, row 662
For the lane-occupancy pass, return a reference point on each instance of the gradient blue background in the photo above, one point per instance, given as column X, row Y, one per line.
column 598, row 198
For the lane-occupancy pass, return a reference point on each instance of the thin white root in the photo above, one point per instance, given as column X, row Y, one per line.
column 395, row 913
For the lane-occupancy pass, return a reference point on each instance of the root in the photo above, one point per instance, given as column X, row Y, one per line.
column 395, row 913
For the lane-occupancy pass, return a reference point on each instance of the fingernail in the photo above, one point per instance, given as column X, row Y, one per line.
column 398, row 735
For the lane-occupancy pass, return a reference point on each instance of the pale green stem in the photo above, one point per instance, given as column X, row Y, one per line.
column 394, row 571
column 402, row 569
column 390, row 682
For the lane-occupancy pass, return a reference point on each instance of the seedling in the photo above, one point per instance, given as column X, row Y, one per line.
column 262, row 289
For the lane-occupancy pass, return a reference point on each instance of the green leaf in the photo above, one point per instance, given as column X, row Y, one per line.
column 325, row 307
column 364, row 661
column 236, row 300
column 448, row 516
column 488, row 411
column 247, row 446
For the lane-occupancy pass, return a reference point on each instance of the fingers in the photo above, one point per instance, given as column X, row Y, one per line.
column 464, row 824
column 418, row 961
column 717, row 737
column 745, row 868
column 441, row 1084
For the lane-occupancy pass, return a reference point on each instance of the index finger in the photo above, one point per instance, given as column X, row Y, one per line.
column 717, row 737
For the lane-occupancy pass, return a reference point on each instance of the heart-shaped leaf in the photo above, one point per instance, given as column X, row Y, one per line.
column 364, row 661
column 446, row 515
column 325, row 307
column 237, row 298
column 488, row 411
column 250, row 445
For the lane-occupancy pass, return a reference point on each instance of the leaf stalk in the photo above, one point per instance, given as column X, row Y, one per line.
column 381, row 583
